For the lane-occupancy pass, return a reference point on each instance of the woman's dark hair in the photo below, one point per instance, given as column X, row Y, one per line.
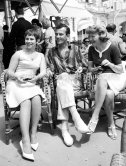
column 100, row 30
column 33, row 32
column 61, row 25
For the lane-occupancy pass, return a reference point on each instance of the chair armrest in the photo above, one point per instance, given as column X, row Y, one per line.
column 47, row 89
column 91, row 82
column 4, row 79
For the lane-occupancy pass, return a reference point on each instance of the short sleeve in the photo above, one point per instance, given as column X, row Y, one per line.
column 115, row 55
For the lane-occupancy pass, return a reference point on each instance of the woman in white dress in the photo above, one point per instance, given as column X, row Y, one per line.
column 22, row 90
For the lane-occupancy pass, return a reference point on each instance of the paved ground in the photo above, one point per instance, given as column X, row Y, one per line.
column 94, row 150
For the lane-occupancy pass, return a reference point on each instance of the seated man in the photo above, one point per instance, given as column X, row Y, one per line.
column 65, row 62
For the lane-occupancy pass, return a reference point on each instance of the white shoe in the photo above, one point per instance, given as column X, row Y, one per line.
column 26, row 155
column 81, row 126
column 68, row 140
column 35, row 146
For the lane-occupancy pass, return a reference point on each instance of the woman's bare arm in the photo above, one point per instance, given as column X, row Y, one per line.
column 13, row 65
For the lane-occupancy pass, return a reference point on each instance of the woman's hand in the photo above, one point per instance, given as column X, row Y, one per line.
column 97, row 69
column 116, row 68
column 106, row 63
column 20, row 79
column 33, row 79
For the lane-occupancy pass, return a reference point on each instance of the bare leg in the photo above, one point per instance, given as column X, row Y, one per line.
column 100, row 95
column 36, row 111
column 25, row 114
column 109, row 108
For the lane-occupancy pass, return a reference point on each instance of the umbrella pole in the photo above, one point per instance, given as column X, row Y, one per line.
column 7, row 6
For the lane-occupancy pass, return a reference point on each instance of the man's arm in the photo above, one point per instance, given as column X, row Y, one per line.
column 122, row 48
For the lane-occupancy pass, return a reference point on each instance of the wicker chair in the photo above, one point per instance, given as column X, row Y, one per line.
column 11, row 114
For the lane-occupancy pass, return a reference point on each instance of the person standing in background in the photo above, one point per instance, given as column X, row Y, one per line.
column 84, row 50
column 49, row 35
column 1, row 52
column 18, row 30
column 7, row 48
column 115, row 39
column 38, row 27
column 124, row 41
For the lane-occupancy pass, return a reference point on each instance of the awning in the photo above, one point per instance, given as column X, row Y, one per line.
column 67, row 11
column 72, row 9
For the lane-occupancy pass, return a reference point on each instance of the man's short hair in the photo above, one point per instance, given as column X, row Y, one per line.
column 19, row 10
column 5, row 27
column 61, row 25
column 35, row 21
column 111, row 27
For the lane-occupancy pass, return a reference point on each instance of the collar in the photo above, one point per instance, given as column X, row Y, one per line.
column 100, row 52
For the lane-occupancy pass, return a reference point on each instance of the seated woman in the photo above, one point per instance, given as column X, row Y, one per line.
column 22, row 90
column 112, row 79
column 64, row 62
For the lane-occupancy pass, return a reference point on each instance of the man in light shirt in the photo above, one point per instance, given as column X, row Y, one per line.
column 49, row 35
column 115, row 39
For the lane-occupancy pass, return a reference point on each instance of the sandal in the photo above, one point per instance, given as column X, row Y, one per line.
column 92, row 126
column 112, row 132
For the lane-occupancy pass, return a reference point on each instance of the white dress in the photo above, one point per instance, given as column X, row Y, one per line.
column 116, row 82
column 16, row 92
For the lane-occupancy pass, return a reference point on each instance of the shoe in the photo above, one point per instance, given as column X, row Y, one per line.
column 81, row 126
column 92, row 126
column 112, row 132
column 26, row 155
column 35, row 146
column 68, row 140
